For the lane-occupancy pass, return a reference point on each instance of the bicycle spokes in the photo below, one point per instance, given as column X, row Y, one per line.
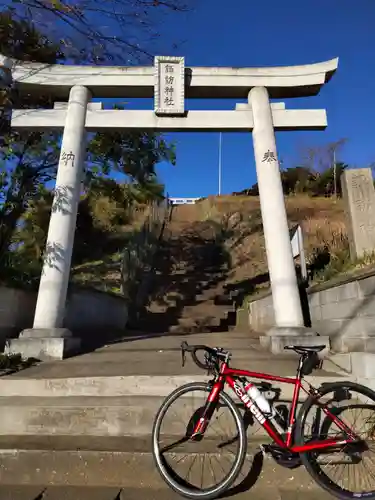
column 198, row 441
column 350, row 467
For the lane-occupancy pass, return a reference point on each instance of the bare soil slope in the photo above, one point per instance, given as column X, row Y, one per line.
column 322, row 221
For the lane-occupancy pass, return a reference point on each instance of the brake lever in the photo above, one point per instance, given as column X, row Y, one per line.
column 208, row 363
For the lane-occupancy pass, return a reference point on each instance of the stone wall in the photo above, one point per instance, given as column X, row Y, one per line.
column 85, row 309
column 92, row 308
column 345, row 311
column 16, row 312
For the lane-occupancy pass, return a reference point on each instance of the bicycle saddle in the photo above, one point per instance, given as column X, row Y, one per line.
column 305, row 349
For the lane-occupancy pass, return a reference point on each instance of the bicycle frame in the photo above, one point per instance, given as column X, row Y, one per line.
column 228, row 376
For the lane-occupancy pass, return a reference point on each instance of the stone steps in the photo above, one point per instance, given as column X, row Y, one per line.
column 232, row 342
column 190, row 319
column 206, row 308
column 83, row 416
column 69, row 431
column 97, row 410
column 11, row 492
column 110, row 475
column 107, row 405
column 175, row 320
column 156, row 364
column 189, row 286
column 49, row 383
column 105, row 415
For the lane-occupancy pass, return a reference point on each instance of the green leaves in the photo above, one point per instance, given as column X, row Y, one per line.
column 133, row 154
column 29, row 160
column 303, row 180
column 20, row 39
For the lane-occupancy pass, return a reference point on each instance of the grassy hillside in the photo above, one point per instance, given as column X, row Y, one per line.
column 236, row 222
column 324, row 228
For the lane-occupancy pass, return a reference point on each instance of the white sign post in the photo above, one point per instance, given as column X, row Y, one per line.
column 5, row 72
column 169, row 85
column 296, row 240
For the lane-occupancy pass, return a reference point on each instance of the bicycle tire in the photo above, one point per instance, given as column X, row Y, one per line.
column 218, row 489
column 307, row 460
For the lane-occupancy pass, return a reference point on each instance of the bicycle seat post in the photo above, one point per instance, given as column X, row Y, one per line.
column 302, row 358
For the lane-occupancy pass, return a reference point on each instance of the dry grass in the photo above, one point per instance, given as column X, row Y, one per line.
column 324, row 228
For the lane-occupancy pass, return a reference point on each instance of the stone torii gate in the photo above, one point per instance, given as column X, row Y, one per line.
column 169, row 82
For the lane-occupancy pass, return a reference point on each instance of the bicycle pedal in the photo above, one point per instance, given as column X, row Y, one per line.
column 265, row 451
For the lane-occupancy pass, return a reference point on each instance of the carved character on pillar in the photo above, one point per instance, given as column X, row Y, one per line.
column 269, row 157
column 68, row 158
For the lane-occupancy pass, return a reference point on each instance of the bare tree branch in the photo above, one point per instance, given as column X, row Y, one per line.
column 320, row 158
column 98, row 31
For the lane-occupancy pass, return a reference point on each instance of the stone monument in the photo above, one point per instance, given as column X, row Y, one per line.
column 359, row 196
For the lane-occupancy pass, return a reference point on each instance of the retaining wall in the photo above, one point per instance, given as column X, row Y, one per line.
column 345, row 311
column 85, row 309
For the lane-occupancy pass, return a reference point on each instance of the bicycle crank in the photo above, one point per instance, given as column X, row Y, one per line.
column 282, row 457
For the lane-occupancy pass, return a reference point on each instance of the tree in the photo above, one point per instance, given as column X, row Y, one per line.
column 97, row 31
column 28, row 161
column 296, row 180
column 320, row 158
column 302, row 180
column 134, row 153
column 327, row 183
column 19, row 39
column 30, row 237
column 333, row 149
column 102, row 212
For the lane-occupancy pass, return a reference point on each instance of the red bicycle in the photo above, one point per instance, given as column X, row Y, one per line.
column 329, row 440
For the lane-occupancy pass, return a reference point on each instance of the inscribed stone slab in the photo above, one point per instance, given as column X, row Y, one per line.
column 359, row 196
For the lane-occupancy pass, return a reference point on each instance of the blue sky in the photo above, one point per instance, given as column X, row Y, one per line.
column 274, row 33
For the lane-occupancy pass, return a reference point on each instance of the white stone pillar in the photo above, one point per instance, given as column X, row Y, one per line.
column 285, row 293
column 50, row 307
column 6, row 65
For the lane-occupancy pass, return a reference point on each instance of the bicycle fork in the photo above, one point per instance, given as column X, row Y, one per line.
column 209, row 408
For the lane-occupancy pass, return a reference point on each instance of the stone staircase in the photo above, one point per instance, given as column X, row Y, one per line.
column 188, row 292
column 86, row 421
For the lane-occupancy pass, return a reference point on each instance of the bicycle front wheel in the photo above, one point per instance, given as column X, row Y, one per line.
column 198, row 468
column 346, row 471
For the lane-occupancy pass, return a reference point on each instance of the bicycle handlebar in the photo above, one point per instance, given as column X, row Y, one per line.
column 212, row 355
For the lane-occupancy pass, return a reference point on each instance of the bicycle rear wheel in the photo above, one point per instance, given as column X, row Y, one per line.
column 183, row 474
column 348, row 471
